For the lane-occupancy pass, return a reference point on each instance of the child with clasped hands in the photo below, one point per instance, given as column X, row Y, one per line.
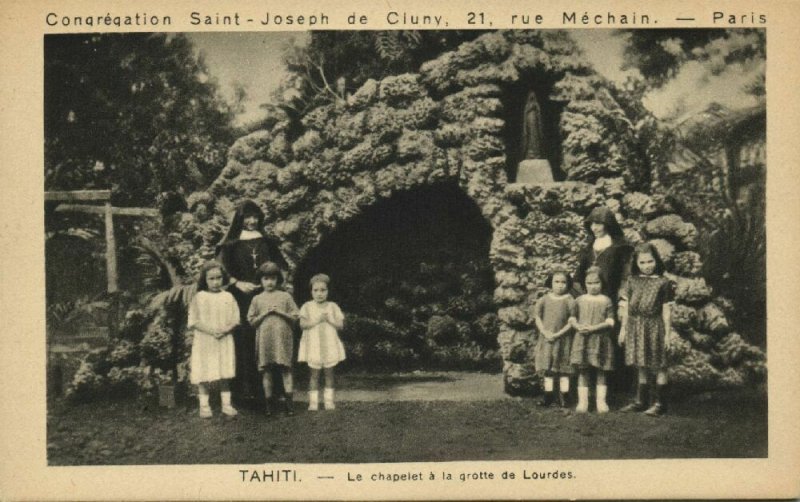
column 273, row 313
column 593, row 346
column 554, row 315
column 320, row 346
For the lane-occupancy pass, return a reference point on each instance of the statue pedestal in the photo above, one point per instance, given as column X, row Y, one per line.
column 534, row 171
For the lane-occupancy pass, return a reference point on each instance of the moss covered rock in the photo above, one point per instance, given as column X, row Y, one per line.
column 447, row 125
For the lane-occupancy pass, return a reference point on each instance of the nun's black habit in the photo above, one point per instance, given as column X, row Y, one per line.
column 241, row 259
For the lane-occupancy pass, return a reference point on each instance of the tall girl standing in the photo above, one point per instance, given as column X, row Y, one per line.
column 554, row 314
column 320, row 346
column 213, row 315
column 646, row 323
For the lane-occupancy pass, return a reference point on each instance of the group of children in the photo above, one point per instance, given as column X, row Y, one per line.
column 577, row 335
column 213, row 315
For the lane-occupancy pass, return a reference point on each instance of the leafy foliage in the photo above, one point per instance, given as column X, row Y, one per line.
column 66, row 316
column 326, row 161
column 135, row 112
column 337, row 63
column 660, row 54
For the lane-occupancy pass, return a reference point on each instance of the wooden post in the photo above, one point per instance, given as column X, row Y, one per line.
column 108, row 212
column 116, row 211
column 111, row 250
column 78, row 195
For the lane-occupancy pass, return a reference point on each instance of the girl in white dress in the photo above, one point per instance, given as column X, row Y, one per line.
column 320, row 346
column 213, row 314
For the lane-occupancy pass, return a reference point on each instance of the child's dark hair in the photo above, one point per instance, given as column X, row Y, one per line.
column 320, row 278
column 548, row 283
column 270, row 269
column 202, row 283
column 594, row 270
column 647, row 248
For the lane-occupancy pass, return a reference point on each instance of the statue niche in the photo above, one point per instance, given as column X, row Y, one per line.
column 534, row 167
column 532, row 137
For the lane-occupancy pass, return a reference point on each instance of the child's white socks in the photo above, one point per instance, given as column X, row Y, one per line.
column 602, row 407
column 563, row 384
column 226, row 404
column 328, row 393
column 583, row 400
column 205, row 408
column 313, row 400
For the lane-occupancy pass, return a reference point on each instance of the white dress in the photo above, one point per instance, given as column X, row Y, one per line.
column 212, row 358
column 320, row 346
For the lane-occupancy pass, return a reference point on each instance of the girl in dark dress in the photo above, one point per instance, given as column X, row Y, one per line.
column 646, row 324
column 242, row 251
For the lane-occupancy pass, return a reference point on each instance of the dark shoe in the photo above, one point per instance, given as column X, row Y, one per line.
column 547, row 400
column 656, row 410
column 288, row 406
column 641, row 398
column 634, row 406
column 659, row 402
column 269, row 407
column 563, row 400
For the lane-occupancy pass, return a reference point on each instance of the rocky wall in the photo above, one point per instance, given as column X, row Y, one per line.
column 547, row 231
column 446, row 123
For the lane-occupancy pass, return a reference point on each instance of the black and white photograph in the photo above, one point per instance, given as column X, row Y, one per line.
column 403, row 246
column 399, row 251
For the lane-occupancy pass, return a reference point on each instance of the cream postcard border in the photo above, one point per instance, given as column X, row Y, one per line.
column 24, row 473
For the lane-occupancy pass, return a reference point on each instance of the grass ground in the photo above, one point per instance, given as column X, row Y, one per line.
column 719, row 425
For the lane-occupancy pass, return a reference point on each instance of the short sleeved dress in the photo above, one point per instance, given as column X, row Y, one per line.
column 320, row 346
column 241, row 259
column 645, row 338
column 554, row 356
column 274, row 338
column 212, row 358
column 595, row 350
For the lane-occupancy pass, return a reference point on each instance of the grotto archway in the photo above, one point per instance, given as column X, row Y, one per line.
column 412, row 272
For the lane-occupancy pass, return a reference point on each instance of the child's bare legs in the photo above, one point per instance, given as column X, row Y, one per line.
column 583, row 391
column 288, row 387
column 225, row 396
column 202, row 395
column 313, row 383
column 641, row 392
column 602, row 390
column 288, row 380
column 659, row 399
column 329, row 386
column 313, row 390
column 266, row 383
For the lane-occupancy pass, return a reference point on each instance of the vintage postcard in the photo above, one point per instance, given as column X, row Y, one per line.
column 399, row 250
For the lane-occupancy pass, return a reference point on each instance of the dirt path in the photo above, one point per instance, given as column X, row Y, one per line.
column 719, row 425
column 419, row 386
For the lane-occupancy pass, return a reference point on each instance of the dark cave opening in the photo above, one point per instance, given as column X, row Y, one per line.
column 412, row 275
